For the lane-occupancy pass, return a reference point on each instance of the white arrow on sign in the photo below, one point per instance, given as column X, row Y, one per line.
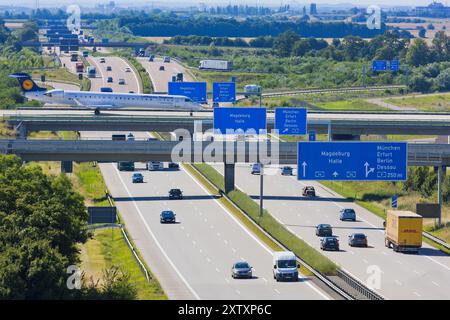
column 368, row 170
column 335, row 174
column 304, row 164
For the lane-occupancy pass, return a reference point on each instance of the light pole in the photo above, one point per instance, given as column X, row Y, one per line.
column 261, row 189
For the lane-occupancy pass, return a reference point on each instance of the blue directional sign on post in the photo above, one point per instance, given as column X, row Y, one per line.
column 393, row 65
column 394, row 201
column 239, row 119
column 290, row 121
column 224, row 91
column 312, row 136
column 194, row 90
column 379, row 65
column 359, row 161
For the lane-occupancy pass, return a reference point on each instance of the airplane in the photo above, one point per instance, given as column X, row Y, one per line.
column 103, row 100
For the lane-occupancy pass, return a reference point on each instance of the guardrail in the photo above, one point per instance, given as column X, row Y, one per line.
column 130, row 245
column 436, row 240
column 358, row 286
column 316, row 273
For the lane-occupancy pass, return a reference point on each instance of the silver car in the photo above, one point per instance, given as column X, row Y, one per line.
column 241, row 269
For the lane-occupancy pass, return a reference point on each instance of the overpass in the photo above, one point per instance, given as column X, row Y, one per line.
column 342, row 125
column 122, row 44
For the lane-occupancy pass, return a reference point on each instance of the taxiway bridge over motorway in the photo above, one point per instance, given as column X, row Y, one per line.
column 349, row 123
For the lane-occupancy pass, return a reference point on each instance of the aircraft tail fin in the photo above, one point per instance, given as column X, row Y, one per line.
column 26, row 83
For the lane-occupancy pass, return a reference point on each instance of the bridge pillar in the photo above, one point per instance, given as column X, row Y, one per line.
column 441, row 170
column 22, row 131
column 345, row 137
column 229, row 177
column 66, row 166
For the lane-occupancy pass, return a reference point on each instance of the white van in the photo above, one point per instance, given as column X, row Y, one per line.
column 155, row 165
column 285, row 266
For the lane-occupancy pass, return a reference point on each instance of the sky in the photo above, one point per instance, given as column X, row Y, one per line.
column 53, row 3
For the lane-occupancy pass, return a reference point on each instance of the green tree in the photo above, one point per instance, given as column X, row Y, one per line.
column 443, row 80
column 284, row 42
column 418, row 53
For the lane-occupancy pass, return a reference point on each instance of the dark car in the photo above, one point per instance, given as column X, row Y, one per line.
column 109, row 79
column 347, row 214
column 324, row 230
column 256, row 168
column 102, row 60
column 329, row 243
column 167, row 216
column 138, row 177
column 357, row 240
column 309, row 191
column 241, row 269
column 108, row 68
column 161, row 68
column 174, row 165
column 286, row 171
column 175, row 194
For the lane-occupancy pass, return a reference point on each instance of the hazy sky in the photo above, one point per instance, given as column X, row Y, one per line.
column 54, row 3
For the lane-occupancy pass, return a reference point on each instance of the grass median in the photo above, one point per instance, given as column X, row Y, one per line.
column 271, row 225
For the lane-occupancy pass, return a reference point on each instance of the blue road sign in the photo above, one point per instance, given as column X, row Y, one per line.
column 233, row 78
column 240, row 119
column 194, row 90
column 379, row 65
column 312, row 136
column 393, row 65
column 224, row 91
column 394, row 201
column 290, row 121
column 365, row 161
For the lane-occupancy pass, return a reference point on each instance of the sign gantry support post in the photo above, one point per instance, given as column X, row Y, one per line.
column 440, row 173
column 261, row 190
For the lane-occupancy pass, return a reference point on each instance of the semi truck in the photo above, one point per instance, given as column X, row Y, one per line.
column 92, row 72
column 403, row 231
column 220, row 65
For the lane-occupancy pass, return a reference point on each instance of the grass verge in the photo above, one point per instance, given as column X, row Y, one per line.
column 271, row 225
column 108, row 248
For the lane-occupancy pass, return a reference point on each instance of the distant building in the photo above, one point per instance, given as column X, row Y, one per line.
column 313, row 9
column 435, row 9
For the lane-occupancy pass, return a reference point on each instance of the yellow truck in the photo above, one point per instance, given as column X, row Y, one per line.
column 403, row 231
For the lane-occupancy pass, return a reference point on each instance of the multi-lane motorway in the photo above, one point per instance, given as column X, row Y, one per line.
column 403, row 276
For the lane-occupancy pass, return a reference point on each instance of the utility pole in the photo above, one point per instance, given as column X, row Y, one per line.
column 261, row 189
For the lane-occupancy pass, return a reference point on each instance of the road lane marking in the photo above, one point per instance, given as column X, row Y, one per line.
column 435, row 283
column 217, row 269
column 154, row 237
column 277, row 291
column 238, row 292
column 323, row 295
column 398, row 282
column 225, row 241
column 417, row 294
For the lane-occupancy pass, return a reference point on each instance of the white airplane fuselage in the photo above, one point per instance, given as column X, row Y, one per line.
column 114, row 100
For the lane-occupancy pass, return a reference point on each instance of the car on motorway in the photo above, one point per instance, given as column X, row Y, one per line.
column 347, row 214
column 161, row 68
column 109, row 79
column 151, row 58
column 324, row 230
column 241, row 269
column 256, row 168
column 329, row 243
column 285, row 266
column 357, row 240
column 286, row 171
column 127, row 69
column 130, row 137
column 106, row 89
column 174, row 165
column 137, row 177
column 121, row 81
column 175, row 194
column 108, row 68
column 309, row 191
column 102, row 60
column 155, row 165
column 167, row 216
column 131, row 91
column 166, row 59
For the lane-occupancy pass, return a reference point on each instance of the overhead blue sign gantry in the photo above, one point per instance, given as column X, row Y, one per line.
column 224, row 91
column 290, row 121
column 194, row 90
column 240, row 120
column 352, row 161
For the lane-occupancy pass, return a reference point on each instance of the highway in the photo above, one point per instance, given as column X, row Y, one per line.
column 403, row 276
column 117, row 72
column 160, row 78
column 192, row 259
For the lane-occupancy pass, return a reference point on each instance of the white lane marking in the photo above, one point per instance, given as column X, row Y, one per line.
column 233, row 249
column 416, row 272
column 417, row 294
column 225, row 241
column 188, row 235
column 238, row 292
column 277, row 291
column 226, row 280
column 365, row 261
column 212, row 227
column 154, row 237
column 201, row 251
column 399, row 262
column 217, row 269
column 382, row 252
column 194, row 242
column 435, row 261
column 323, row 295
column 435, row 283
column 265, row 280
column 218, row 234
column 398, row 282
column 208, row 259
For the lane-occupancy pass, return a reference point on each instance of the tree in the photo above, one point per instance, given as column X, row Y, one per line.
column 284, row 42
column 443, row 80
column 441, row 46
column 422, row 32
column 418, row 53
column 420, row 83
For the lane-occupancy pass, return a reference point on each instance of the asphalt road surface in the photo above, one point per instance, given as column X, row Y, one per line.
column 403, row 276
column 192, row 259
column 118, row 66
column 160, row 78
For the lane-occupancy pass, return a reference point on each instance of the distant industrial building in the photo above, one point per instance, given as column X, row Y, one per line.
column 313, row 9
column 435, row 9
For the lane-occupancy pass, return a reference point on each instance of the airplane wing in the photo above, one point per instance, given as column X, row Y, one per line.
column 93, row 106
